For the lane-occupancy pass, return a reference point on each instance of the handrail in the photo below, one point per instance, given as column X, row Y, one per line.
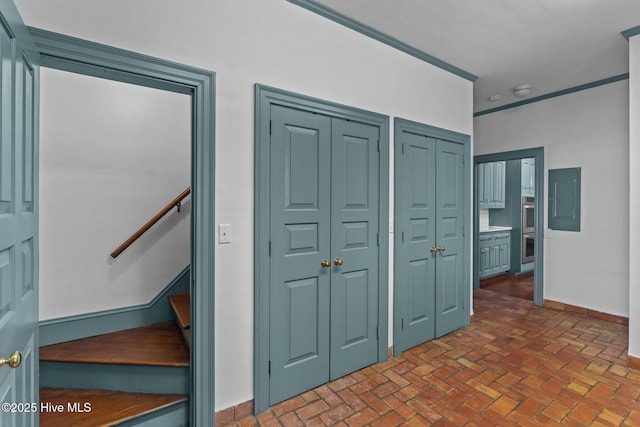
column 149, row 224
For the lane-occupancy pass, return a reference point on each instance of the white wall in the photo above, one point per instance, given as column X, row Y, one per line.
column 270, row 42
column 111, row 156
column 587, row 129
column 634, row 197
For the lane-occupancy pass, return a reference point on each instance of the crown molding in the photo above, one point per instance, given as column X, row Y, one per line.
column 381, row 37
column 554, row 94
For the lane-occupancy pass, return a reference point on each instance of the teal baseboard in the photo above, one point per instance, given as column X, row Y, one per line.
column 90, row 324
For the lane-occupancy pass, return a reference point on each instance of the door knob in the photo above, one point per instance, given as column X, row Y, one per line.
column 325, row 263
column 433, row 250
column 440, row 249
column 13, row 361
column 337, row 261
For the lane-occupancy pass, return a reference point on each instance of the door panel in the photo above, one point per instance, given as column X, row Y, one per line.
column 450, row 289
column 418, row 222
column 354, row 217
column 18, row 214
column 300, row 231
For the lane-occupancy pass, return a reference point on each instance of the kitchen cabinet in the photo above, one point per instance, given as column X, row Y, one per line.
column 528, row 181
column 491, row 182
column 495, row 253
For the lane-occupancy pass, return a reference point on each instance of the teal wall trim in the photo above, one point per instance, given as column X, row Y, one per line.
column 631, row 32
column 265, row 97
column 555, row 94
column 103, row 322
column 538, row 154
column 84, row 57
column 383, row 38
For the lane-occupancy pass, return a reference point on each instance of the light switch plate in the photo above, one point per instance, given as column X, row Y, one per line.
column 224, row 233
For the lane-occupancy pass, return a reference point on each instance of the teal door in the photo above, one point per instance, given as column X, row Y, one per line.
column 18, row 219
column 430, row 248
column 416, row 258
column 324, row 255
column 354, row 247
column 450, row 268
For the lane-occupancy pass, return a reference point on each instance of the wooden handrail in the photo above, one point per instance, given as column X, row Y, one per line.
column 149, row 224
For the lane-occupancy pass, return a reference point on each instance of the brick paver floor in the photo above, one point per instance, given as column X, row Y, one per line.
column 517, row 364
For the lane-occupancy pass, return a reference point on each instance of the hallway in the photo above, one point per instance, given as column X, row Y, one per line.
column 517, row 364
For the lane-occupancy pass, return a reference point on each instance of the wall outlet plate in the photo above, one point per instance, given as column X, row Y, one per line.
column 224, row 233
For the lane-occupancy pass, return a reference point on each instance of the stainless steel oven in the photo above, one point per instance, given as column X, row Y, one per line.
column 528, row 215
column 528, row 247
column 528, row 229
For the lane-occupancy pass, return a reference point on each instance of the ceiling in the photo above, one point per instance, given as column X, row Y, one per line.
column 551, row 45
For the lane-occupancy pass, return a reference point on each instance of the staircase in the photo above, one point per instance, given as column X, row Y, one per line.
column 134, row 377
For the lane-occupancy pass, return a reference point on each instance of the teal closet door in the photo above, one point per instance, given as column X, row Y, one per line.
column 450, row 280
column 430, row 251
column 418, row 222
column 300, row 241
column 18, row 219
column 354, row 247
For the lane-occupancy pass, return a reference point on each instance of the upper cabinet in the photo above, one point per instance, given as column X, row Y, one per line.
column 528, row 181
column 491, row 179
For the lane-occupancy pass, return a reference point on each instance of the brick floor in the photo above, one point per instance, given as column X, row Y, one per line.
column 517, row 364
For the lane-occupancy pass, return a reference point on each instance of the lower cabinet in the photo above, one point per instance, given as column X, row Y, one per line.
column 495, row 251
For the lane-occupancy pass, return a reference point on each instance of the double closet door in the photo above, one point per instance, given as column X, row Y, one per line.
column 430, row 215
column 324, row 224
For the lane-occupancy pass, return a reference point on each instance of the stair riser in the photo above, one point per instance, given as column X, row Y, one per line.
column 144, row 379
column 173, row 416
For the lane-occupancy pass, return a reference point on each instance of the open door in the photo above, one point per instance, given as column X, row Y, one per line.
column 18, row 221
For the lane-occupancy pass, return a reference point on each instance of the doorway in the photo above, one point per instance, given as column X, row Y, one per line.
column 80, row 56
column 503, row 242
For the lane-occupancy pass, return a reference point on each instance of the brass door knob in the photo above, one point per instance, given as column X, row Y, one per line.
column 433, row 250
column 13, row 361
column 337, row 261
column 325, row 263
column 440, row 249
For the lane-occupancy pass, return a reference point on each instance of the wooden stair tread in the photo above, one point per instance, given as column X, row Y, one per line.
column 107, row 407
column 181, row 304
column 160, row 344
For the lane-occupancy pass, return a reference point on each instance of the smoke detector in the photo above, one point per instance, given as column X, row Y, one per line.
column 522, row 91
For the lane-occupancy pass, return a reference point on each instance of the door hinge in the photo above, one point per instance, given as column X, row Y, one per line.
column 269, row 247
column 464, row 159
column 378, row 145
column 269, row 367
column 378, row 332
column 402, row 323
column 403, row 148
column 403, row 237
column 270, row 127
column 378, row 239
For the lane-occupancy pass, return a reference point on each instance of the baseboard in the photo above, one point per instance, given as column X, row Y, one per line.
column 633, row 362
column 234, row 413
column 103, row 322
column 594, row 314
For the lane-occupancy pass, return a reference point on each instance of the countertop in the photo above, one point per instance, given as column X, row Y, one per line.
column 493, row 228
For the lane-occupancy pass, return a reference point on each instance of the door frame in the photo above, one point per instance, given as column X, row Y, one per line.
column 400, row 126
column 538, row 269
column 79, row 56
column 265, row 97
